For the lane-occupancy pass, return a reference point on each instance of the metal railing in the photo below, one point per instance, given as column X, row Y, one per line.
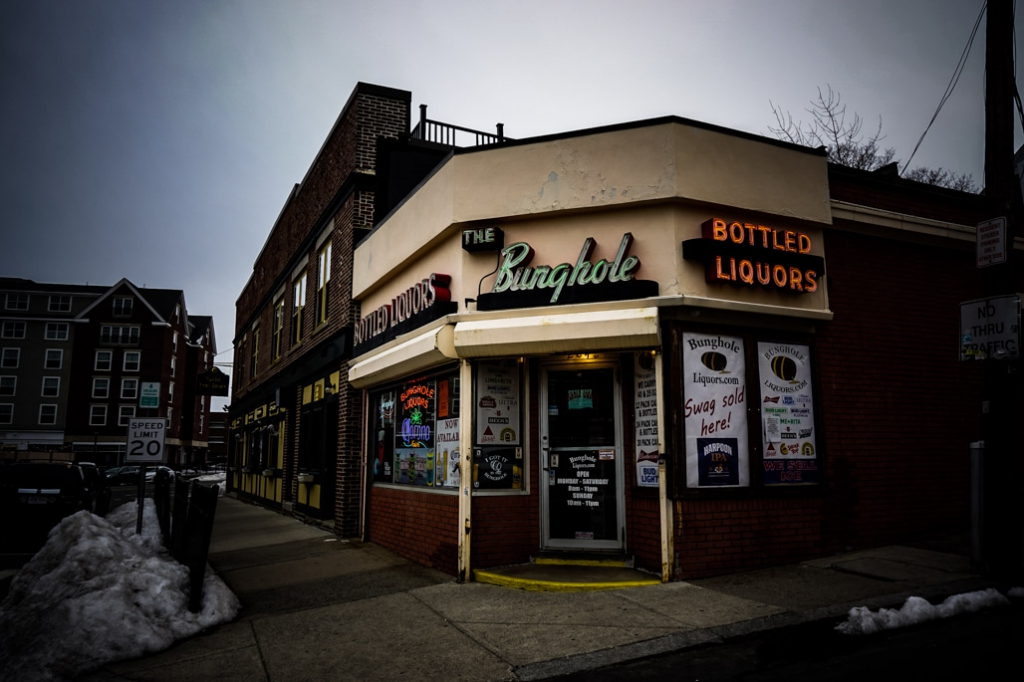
column 449, row 134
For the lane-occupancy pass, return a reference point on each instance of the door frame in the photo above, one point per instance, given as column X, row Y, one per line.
column 619, row 544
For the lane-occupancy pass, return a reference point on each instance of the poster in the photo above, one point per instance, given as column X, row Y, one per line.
column 446, row 459
column 645, row 405
column 384, row 421
column 787, row 414
column 715, row 411
column 497, row 403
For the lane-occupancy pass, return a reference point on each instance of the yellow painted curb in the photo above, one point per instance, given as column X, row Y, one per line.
column 489, row 578
column 554, row 561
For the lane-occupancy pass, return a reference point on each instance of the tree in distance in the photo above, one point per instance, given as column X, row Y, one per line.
column 847, row 145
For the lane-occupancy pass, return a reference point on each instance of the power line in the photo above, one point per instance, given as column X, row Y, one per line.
column 952, row 83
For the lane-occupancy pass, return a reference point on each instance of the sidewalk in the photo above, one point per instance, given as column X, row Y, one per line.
column 319, row 608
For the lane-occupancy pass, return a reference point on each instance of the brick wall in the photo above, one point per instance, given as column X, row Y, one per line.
column 898, row 408
column 418, row 525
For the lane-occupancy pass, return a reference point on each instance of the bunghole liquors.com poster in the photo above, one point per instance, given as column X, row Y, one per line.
column 787, row 414
column 715, row 411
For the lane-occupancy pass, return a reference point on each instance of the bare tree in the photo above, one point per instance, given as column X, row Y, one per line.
column 847, row 145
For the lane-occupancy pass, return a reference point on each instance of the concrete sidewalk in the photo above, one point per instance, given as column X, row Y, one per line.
column 319, row 608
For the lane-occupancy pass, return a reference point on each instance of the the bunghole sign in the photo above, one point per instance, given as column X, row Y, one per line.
column 520, row 285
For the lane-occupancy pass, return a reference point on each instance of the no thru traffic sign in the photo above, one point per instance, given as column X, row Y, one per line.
column 146, row 440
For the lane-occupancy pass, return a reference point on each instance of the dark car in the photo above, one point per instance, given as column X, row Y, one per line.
column 98, row 488
column 128, row 475
column 37, row 495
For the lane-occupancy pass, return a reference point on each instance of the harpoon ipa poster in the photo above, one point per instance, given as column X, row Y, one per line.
column 715, row 411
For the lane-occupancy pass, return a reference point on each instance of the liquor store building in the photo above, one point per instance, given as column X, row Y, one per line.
column 698, row 349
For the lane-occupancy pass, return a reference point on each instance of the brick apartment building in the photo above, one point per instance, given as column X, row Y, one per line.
column 77, row 360
column 696, row 349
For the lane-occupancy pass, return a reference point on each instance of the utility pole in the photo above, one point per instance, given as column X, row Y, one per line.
column 1001, row 463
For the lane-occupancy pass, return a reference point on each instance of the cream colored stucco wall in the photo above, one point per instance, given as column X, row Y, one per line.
column 658, row 182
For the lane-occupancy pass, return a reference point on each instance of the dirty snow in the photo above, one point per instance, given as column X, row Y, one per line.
column 863, row 621
column 218, row 479
column 97, row 593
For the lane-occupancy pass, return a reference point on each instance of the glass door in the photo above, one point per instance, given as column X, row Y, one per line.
column 581, row 454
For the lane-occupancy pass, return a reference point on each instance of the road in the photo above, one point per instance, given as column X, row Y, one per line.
column 979, row 646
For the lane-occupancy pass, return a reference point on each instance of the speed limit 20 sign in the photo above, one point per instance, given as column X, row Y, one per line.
column 146, row 440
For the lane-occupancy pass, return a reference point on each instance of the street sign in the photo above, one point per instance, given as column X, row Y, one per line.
column 149, row 395
column 146, row 440
column 991, row 242
column 990, row 328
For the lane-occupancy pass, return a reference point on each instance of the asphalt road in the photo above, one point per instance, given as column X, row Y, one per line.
column 979, row 646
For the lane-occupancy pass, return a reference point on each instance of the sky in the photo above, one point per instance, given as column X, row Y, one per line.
column 158, row 140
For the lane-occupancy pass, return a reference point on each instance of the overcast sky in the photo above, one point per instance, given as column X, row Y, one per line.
column 158, row 140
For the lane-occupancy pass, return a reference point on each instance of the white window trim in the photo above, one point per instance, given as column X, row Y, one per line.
column 46, row 358
column 7, row 301
column 129, row 397
column 96, row 361
column 10, row 405
column 121, row 416
column 57, row 327
column 94, row 384
column 42, row 389
column 40, row 416
column 13, row 326
column 58, row 297
column 124, row 361
column 92, row 415
column 14, row 390
column 17, row 358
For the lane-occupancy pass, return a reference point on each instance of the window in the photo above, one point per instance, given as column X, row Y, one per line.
column 275, row 341
column 200, row 423
column 104, row 359
column 8, row 385
column 130, row 388
column 254, row 358
column 132, row 361
column 56, row 331
column 54, row 358
column 414, row 434
column 6, row 413
column 60, row 303
column 124, row 413
column 239, row 365
column 170, row 415
column 17, row 302
column 101, row 387
column 47, row 415
column 119, row 334
column 51, row 387
column 298, row 307
column 13, row 330
column 97, row 415
column 323, row 278
column 10, row 358
column 174, row 343
column 122, row 307
column 170, row 391
column 174, row 365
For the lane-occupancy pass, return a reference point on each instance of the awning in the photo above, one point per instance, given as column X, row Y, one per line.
column 558, row 333
column 422, row 351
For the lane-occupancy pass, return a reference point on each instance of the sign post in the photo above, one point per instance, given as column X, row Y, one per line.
column 145, row 446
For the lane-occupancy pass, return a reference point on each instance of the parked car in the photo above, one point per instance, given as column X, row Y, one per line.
column 40, row 494
column 98, row 488
column 127, row 475
column 151, row 472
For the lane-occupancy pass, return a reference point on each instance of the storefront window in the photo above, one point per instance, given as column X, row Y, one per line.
column 415, row 432
column 497, row 451
column 719, row 393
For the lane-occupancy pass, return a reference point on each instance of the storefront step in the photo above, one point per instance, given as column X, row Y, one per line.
column 564, row 577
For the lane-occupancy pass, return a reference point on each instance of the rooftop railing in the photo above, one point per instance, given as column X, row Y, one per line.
column 451, row 135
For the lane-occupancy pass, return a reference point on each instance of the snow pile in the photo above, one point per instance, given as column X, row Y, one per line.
column 97, row 593
column 1016, row 593
column 219, row 479
column 863, row 621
